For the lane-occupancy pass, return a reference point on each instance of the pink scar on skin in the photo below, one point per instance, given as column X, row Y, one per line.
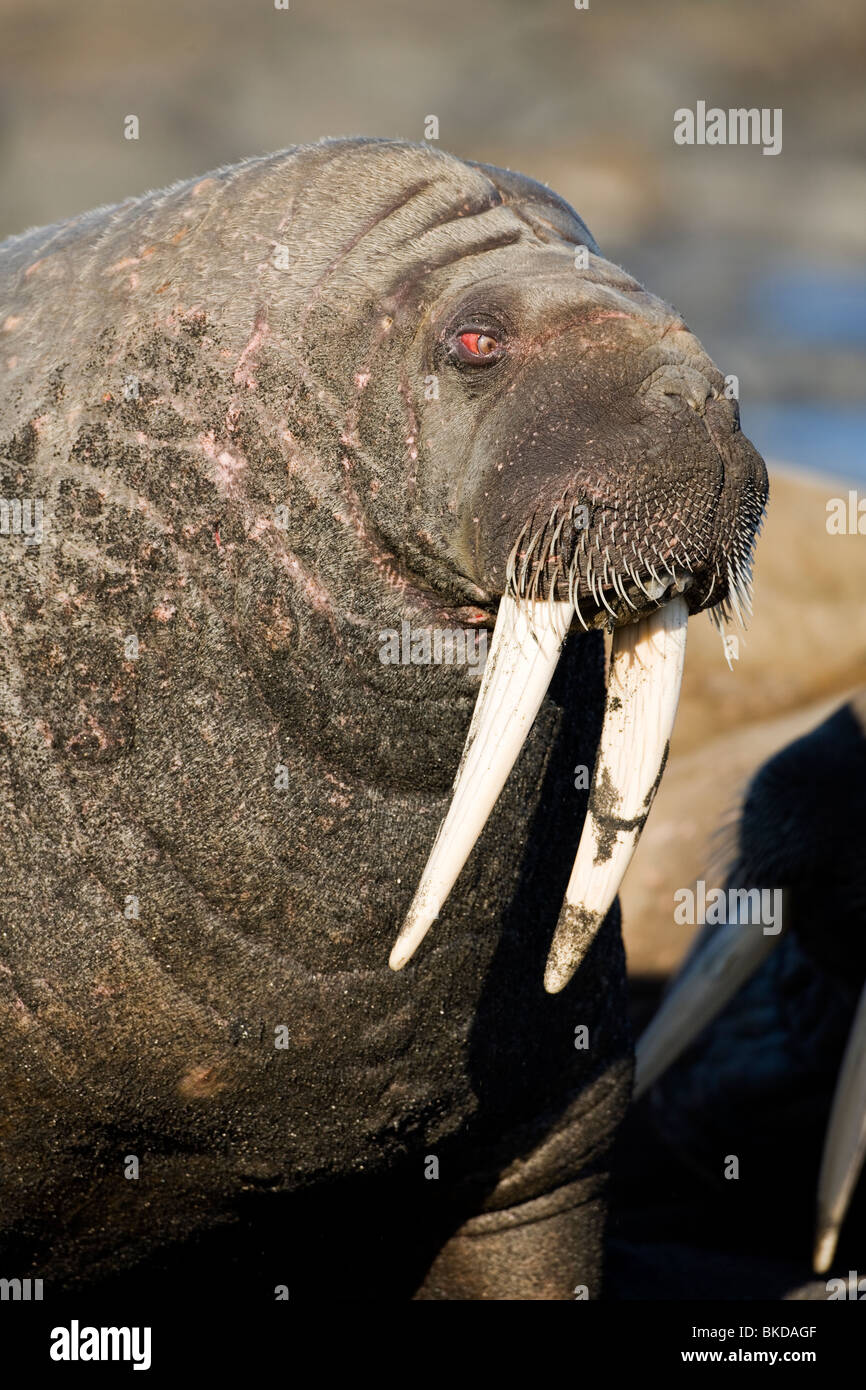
column 229, row 470
column 259, row 527
column 200, row 187
column 68, row 599
column 26, row 1017
column 128, row 261
column 34, row 267
column 164, row 612
column 259, row 333
column 11, row 322
column 412, row 424
column 201, row 1082
column 96, row 729
column 319, row 597
column 47, row 733
column 229, row 466
column 107, row 991
column 335, row 782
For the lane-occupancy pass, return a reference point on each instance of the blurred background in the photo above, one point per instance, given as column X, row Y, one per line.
column 764, row 256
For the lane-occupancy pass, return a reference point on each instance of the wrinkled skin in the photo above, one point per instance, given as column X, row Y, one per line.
column 759, row 1081
column 219, row 836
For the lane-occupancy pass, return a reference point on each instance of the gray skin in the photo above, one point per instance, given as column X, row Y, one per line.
column 172, row 379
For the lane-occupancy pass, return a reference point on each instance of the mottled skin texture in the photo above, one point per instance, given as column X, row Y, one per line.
column 172, row 379
column 759, row 1082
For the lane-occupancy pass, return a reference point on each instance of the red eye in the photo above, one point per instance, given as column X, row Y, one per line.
column 477, row 346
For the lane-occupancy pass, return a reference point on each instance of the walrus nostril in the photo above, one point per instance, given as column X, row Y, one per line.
column 677, row 384
column 695, row 398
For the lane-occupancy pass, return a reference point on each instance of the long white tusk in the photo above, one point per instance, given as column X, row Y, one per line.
column 710, row 977
column 845, row 1144
column 527, row 641
column 643, row 691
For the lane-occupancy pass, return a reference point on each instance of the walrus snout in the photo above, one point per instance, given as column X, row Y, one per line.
column 630, row 477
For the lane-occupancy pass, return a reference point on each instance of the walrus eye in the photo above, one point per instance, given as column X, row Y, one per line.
column 476, row 346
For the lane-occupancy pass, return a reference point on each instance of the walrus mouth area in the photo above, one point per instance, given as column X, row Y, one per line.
column 560, row 559
column 647, row 657
column 558, row 573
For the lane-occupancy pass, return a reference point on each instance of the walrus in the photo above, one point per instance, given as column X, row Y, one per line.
column 758, row 1047
column 267, row 417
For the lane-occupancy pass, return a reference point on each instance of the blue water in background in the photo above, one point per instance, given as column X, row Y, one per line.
column 814, row 305
column 813, row 435
column 811, row 307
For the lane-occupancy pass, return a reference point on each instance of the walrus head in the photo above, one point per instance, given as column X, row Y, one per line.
column 574, row 458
